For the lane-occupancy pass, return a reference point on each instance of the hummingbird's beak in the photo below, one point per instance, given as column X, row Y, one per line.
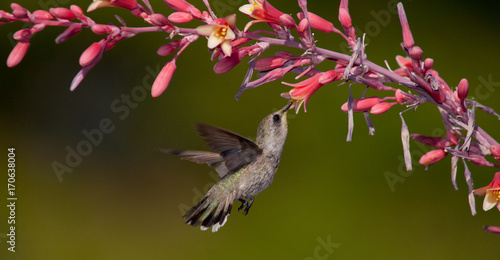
column 287, row 106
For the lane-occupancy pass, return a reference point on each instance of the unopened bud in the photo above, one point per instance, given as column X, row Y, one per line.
column 463, row 89
column 168, row 49
column 18, row 11
column 438, row 142
column 362, row 104
column 100, row 29
column 428, row 64
column 495, row 151
column 287, row 21
column 183, row 6
column 345, row 18
column 42, row 15
column 163, row 79
column 90, row 54
column 317, row 22
column 76, row 10
column 180, row 17
column 269, row 63
column 432, row 157
column 416, row 53
column 226, row 64
column 17, row 54
column 159, row 20
column 62, row 13
column 22, row 35
column 381, row 108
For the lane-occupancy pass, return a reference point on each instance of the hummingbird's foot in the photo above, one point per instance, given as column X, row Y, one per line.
column 246, row 204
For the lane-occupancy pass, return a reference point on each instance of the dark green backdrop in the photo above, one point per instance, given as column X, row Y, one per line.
column 124, row 200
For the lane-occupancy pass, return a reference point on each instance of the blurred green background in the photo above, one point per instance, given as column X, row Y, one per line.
column 125, row 200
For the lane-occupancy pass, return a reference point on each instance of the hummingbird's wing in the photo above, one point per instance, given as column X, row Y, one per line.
column 212, row 159
column 236, row 150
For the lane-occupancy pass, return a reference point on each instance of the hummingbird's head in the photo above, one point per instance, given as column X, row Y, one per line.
column 273, row 129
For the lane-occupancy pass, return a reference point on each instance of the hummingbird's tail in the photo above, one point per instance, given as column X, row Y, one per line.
column 210, row 212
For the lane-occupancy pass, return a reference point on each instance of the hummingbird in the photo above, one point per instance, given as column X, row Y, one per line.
column 246, row 167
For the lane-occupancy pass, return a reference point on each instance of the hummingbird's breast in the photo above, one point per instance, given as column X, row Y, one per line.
column 259, row 175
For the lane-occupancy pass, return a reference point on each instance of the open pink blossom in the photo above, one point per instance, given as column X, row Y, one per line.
column 492, row 192
column 219, row 33
column 303, row 91
column 263, row 11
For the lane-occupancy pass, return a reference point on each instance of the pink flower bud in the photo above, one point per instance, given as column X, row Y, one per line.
column 287, row 21
column 438, row 142
column 126, row 4
column 479, row 160
column 90, row 54
column 22, row 35
column 416, row 53
column 76, row 10
column 180, row 17
column 381, row 108
column 302, row 28
column 269, row 63
column 100, row 29
column 159, row 20
column 62, row 13
column 42, row 15
column 317, row 22
column 183, row 6
column 18, row 11
column 238, row 42
column 226, row 64
column 408, row 41
column 428, row 64
column 163, row 79
column 400, row 97
column 495, row 151
column 345, row 18
column 492, row 229
column 168, row 49
column 17, row 54
column 432, row 157
column 284, row 54
column 463, row 89
column 362, row 104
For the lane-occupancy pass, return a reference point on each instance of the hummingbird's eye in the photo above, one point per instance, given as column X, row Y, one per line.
column 276, row 118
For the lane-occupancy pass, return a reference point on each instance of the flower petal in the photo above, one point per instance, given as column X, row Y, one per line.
column 206, row 30
column 214, row 41
column 489, row 202
column 246, row 9
column 230, row 34
column 226, row 48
